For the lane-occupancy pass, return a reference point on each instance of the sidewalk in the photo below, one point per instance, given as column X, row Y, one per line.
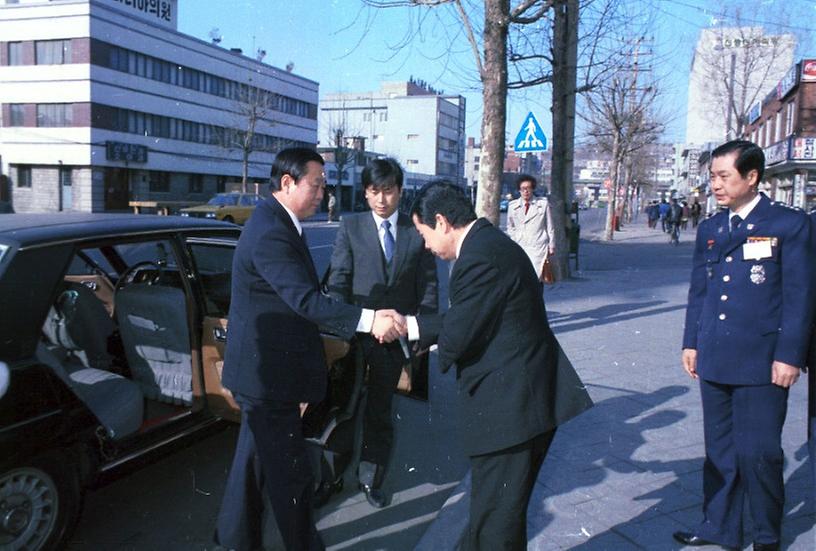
column 628, row 473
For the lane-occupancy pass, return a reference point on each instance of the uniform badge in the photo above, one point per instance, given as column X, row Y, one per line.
column 757, row 274
column 710, row 244
column 750, row 227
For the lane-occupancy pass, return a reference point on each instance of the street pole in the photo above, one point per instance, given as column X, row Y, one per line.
column 728, row 134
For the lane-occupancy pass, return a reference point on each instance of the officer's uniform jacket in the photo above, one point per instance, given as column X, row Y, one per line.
column 532, row 230
column 744, row 313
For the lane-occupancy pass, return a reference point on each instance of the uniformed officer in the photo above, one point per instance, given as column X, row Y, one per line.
column 746, row 338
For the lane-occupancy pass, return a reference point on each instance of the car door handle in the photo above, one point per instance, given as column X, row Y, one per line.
column 220, row 334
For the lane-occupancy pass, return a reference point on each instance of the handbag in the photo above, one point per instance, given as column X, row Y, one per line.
column 547, row 273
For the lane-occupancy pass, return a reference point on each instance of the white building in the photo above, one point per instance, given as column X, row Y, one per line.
column 732, row 67
column 420, row 127
column 105, row 102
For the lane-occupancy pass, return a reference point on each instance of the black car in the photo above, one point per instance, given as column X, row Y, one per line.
column 112, row 328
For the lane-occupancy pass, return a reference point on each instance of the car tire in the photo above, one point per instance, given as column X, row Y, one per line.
column 229, row 219
column 40, row 504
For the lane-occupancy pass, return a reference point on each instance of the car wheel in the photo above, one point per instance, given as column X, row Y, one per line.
column 229, row 219
column 39, row 505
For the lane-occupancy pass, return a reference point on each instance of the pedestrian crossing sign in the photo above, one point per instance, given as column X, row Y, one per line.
column 530, row 138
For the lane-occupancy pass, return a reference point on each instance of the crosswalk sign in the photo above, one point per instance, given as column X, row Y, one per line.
column 530, row 138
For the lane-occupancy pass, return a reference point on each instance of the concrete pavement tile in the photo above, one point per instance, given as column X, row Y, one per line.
column 561, row 525
column 608, row 541
column 655, row 533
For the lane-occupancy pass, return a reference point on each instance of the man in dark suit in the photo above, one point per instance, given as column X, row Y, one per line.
column 513, row 390
column 274, row 358
column 380, row 261
column 745, row 339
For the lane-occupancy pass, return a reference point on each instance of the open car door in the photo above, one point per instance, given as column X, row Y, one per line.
column 213, row 258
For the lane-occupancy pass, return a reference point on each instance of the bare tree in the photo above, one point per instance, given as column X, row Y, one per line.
column 623, row 119
column 739, row 64
column 521, row 45
column 253, row 108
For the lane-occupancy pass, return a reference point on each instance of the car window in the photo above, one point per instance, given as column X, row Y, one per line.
column 3, row 249
column 158, row 252
column 214, row 263
column 225, row 200
column 89, row 262
column 248, row 200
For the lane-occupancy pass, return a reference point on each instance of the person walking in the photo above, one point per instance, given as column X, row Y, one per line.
column 513, row 390
column 663, row 211
column 332, row 204
column 696, row 210
column 746, row 337
column 380, row 261
column 530, row 224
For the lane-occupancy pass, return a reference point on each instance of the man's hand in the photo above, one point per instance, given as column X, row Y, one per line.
column 783, row 374
column 389, row 325
column 690, row 362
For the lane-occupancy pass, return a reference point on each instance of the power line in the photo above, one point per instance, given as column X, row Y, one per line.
column 725, row 14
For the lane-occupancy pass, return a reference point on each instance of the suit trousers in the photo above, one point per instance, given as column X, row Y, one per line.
column 271, row 461
column 501, row 485
column 385, row 365
column 812, row 426
column 743, row 441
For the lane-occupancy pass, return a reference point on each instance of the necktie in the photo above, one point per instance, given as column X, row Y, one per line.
column 736, row 220
column 388, row 241
column 526, row 207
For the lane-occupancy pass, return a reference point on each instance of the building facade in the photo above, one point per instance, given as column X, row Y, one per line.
column 731, row 69
column 420, row 127
column 784, row 125
column 104, row 102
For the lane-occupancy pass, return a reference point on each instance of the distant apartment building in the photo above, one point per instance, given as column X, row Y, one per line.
column 104, row 102
column 731, row 67
column 422, row 128
column 473, row 156
column 784, row 125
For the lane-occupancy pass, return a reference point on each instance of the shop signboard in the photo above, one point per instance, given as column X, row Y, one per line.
column 163, row 12
column 803, row 149
column 128, row 152
column 809, row 70
column 776, row 153
column 755, row 112
column 787, row 83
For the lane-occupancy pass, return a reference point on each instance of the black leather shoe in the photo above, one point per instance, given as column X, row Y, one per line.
column 687, row 538
column 373, row 495
column 766, row 546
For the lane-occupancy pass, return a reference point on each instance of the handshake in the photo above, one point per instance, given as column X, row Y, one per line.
column 389, row 325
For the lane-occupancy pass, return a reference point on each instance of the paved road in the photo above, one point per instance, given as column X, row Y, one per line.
column 623, row 477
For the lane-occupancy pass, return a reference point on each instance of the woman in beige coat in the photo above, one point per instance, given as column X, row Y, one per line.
column 529, row 223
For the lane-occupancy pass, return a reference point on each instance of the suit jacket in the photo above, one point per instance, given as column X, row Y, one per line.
column 533, row 230
column 359, row 274
column 744, row 313
column 512, row 386
column 274, row 350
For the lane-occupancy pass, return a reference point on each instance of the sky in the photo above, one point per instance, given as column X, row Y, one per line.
column 348, row 47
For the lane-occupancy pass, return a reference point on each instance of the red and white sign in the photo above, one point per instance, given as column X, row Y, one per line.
column 809, row 70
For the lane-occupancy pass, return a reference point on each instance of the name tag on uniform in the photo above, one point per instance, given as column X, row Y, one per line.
column 758, row 248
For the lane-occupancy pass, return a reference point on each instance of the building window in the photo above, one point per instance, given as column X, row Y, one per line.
column 159, row 181
column 55, row 114
column 65, row 177
column 15, row 53
column 412, row 162
column 411, row 137
column 16, row 114
column 791, row 108
column 780, row 129
column 383, row 116
column 196, row 183
column 23, row 176
column 52, row 52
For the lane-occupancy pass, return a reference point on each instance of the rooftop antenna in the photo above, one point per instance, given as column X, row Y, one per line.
column 215, row 35
column 290, row 67
column 260, row 54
